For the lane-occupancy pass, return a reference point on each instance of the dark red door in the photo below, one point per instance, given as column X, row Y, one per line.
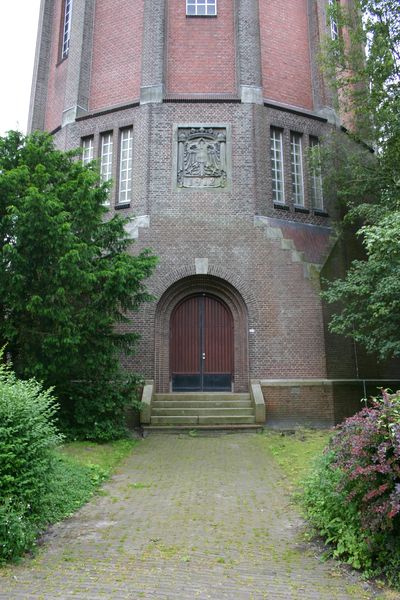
column 201, row 345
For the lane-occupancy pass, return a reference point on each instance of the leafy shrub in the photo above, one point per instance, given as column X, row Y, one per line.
column 27, row 437
column 68, row 284
column 353, row 496
column 73, row 484
column 96, row 409
column 17, row 533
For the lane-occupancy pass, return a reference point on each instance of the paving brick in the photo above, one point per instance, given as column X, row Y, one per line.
column 184, row 518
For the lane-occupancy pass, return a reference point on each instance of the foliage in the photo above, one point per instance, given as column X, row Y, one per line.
column 296, row 451
column 353, row 496
column 368, row 87
column 105, row 456
column 72, row 486
column 68, row 285
column 41, row 483
column 17, row 532
column 27, row 437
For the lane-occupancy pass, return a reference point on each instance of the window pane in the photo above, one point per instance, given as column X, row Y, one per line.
column 66, row 28
column 333, row 23
column 106, row 155
column 201, row 7
column 297, row 169
column 278, row 191
column 87, row 150
column 125, row 172
column 317, row 196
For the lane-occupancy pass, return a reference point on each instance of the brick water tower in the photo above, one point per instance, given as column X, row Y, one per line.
column 201, row 112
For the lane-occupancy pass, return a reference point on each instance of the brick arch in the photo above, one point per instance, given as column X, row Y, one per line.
column 167, row 279
column 197, row 284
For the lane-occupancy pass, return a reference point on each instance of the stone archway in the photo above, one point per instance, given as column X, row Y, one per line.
column 192, row 286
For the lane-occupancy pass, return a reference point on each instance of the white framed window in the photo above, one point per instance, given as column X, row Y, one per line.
column 332, row 21
column 201, row 8
column 125, row 166
column 278, row 182
column 87, row 150
column 317, row 195
column 106, row 156
column 296, row 161
column 66, row 29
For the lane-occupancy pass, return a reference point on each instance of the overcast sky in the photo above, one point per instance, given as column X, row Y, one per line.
column 18, row 28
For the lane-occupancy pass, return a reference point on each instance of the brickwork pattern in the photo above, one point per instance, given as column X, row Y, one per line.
column 57, row 74
column 40, row 79
column 201, row 50
column 154, row 42
column 285, row 50
column 248, row 43
column 310, row 406
column 283, row 306
column 117, row 51
column 185, row 518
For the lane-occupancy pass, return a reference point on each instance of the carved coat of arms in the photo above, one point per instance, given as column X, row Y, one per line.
column 201, row 157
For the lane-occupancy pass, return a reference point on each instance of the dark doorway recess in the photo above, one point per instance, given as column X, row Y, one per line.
column 201, row 345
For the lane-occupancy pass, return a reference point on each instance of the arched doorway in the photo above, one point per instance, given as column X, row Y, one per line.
column 201, row 345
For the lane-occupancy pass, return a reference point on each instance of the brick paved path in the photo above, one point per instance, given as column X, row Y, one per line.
column 184, row 518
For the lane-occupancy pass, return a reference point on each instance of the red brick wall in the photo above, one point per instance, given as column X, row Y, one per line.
column 201, row 50
column 310, row 405
column 57, row 75
column 117, row 49
column 285, row 52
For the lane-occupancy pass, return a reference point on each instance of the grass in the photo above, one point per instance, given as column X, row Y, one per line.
column 296, row 452
column 104, row 456
column 80, row 468
column 77, row 471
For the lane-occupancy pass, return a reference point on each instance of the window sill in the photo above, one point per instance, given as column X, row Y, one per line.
column 320, row 213
column 122, row 206
column 201, row 16
column 281, row 206
column 61, row 60
column 301, row 209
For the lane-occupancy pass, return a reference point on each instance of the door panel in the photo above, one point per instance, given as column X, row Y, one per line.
column 218, row 338
column 201, row 345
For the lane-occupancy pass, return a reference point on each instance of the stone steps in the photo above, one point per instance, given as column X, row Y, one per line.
column 200, row 396
column 193, row 409
column 189, row 404
column 202, row 420
column 201, row 411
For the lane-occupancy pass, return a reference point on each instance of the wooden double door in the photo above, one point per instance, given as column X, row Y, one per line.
column 201, row 345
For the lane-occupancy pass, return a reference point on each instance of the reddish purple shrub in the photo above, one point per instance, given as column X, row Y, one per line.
column 366, row 449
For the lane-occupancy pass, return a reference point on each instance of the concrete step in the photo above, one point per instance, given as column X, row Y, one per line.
column 157, row 404
column 193, row 411
column 202, row 420
column 205, row 429
column 201, row 396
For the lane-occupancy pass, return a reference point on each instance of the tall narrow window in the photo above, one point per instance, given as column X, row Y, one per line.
column 296, row 160
column 201, row 8
column 125, row 168
column 317, row 197
column 87, row 150
column 66, row 30
column 278, row 187
column 332, row 21
column 106, row 156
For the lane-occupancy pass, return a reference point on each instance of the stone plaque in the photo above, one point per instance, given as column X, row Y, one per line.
column 201, row 157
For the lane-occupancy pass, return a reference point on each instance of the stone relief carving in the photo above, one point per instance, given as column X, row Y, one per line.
column 201, row 157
